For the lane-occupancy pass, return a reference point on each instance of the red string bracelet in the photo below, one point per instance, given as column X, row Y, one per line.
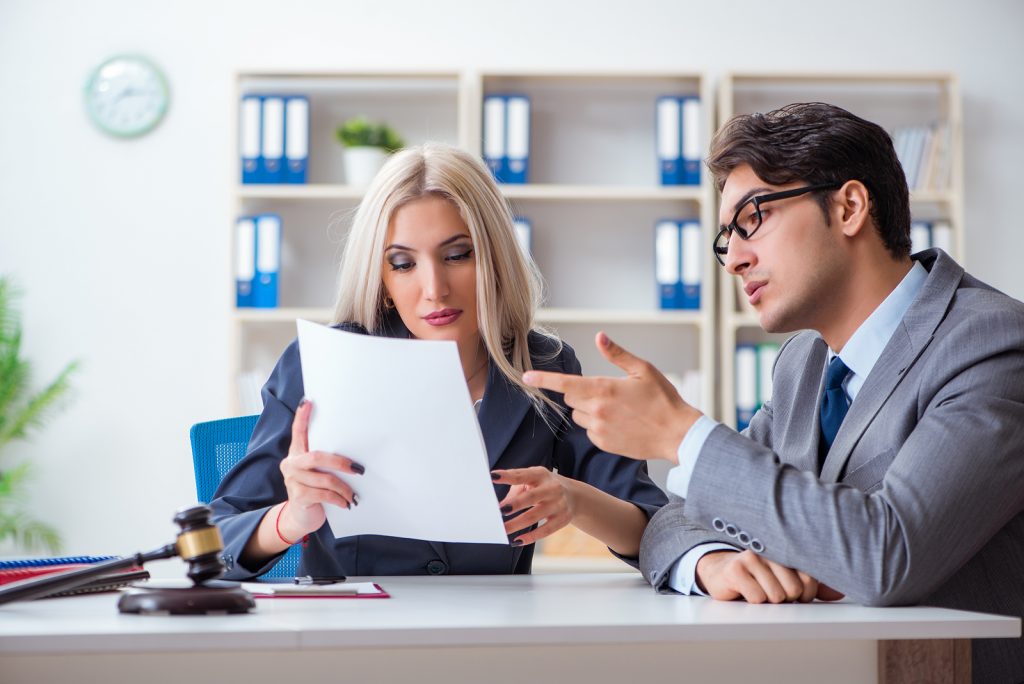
column 277, row 528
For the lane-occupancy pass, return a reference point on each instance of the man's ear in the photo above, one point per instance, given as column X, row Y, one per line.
column 851, row 207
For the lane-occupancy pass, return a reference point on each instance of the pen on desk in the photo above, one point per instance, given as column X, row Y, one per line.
column 309, row 579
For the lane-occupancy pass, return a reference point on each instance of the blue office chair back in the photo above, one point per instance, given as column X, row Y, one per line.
column 217, row 446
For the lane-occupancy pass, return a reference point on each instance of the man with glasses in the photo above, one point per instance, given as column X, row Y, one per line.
column 889, row 464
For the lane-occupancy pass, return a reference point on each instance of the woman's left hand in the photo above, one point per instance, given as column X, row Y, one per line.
column 539, row 496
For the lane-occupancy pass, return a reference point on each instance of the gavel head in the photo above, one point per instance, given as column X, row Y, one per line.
column 199, row 543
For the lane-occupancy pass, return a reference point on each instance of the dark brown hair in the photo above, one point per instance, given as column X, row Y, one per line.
column 814, row 142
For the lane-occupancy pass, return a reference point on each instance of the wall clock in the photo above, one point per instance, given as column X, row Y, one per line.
column 127, row 96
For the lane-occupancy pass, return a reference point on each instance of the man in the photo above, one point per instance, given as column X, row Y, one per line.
column 889, row 464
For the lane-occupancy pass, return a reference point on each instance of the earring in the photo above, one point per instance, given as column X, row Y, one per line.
column 389, row 303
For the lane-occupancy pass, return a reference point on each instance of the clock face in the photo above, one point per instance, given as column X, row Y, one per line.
column 126, row 96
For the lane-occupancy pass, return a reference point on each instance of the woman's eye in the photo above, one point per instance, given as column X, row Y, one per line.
column 461, row 256
column 401, row 265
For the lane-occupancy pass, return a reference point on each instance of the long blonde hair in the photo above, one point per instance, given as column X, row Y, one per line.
column 508, row 284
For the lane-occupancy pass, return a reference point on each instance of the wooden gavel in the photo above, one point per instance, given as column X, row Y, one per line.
column 198, row 543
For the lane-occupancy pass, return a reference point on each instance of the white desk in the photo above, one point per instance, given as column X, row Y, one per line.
column 522, row 629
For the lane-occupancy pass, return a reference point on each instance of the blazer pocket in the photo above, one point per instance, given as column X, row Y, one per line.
column 868, row 476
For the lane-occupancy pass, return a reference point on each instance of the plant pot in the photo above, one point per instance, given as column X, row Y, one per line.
column 362, row 164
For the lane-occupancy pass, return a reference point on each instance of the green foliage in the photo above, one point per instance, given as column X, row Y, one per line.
column 361, row 132
column 21, row 412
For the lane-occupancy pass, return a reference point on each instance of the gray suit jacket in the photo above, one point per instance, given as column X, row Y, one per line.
column 921, row 496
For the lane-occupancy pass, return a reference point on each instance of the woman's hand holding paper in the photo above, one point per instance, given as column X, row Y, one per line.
column 308, row 482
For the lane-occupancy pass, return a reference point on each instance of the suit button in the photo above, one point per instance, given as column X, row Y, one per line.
column 756, row 546
column 731, row 530
column 437, row 567
column 743, row 538
column 718, row 524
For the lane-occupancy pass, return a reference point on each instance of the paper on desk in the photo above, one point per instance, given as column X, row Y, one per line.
column 400, row 408
column 336, row 589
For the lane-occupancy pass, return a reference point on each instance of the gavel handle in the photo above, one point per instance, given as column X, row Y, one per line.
column 64, row 581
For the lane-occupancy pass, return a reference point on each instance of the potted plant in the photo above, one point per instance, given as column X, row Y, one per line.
column 367, row 144
column 21, row 411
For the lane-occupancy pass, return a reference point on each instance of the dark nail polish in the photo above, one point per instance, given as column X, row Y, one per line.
column 495, row 476
column 358, row 468
column 355, row 499
column 507, row 508
column 517, row 542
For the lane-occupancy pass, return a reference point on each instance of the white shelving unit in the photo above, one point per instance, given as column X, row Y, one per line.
column 892, row 100
column 593, row 201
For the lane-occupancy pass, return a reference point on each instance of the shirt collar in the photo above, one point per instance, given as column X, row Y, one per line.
column 866, row 344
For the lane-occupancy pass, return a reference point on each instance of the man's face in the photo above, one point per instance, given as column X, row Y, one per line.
column 793, row 263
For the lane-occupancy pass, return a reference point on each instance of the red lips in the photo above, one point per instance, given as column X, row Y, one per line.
column 442, row 317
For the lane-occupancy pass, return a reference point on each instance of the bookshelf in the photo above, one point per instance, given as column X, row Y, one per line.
column 593, row 201
column 898, row 102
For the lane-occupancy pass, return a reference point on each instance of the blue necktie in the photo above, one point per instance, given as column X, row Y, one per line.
column 833, row 405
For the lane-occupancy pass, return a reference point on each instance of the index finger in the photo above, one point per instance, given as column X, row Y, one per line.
column 549, row 380
column 520, row 476
column 300, row 428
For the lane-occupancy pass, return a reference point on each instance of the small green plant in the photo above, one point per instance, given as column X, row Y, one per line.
column 361, row 132
column 21, row 411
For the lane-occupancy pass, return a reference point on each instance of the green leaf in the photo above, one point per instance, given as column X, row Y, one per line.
column 361, row 132
column 38, row 408
column 20, row 412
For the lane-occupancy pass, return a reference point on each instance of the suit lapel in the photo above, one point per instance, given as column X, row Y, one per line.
column 906, row 345
column 502, row 411
column 802, row 453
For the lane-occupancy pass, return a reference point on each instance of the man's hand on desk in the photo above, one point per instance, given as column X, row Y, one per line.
column 729, row 575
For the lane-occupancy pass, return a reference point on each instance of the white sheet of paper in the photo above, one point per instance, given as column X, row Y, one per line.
column 401, row 408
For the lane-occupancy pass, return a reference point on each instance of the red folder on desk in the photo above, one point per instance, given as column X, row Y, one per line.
column 354, row 590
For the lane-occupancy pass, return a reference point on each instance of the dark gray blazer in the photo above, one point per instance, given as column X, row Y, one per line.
column 515, row 437
column 920, row 498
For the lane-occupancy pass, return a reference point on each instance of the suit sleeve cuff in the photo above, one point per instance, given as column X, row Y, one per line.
column 689, row 450
column 683, row 575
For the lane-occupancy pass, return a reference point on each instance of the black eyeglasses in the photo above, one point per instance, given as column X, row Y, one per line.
column 747, row 219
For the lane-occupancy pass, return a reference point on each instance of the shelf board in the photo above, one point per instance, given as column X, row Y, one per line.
column 544, row 564
column 608, row 316
column 312, row 191
column 322, row 191
column 553, row 191
column 284, row 315
column 745, row 320
column 634, row 316
column 931, row 196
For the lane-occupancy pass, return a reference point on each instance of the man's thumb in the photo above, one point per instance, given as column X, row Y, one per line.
column 633, row 365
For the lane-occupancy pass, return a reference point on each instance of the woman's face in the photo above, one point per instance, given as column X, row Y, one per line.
column 430, row 272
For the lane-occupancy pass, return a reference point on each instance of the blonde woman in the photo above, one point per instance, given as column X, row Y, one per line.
column 432, row 255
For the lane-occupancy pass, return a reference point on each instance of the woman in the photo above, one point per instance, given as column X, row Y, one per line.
column 432, row 255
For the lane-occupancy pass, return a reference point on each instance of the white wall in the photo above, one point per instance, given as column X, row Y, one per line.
column 122, row 247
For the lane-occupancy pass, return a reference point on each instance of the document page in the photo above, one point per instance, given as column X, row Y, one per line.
column 401, row 408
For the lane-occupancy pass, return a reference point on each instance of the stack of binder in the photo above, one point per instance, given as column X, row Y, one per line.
column 928, row 234
column 524, row 234
column 506, row 141
column 12, row 571
column 677, row 250
column 678, row 139
column 274, row 138
column 925, row 155
column 257, row 261
column 754, row 364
